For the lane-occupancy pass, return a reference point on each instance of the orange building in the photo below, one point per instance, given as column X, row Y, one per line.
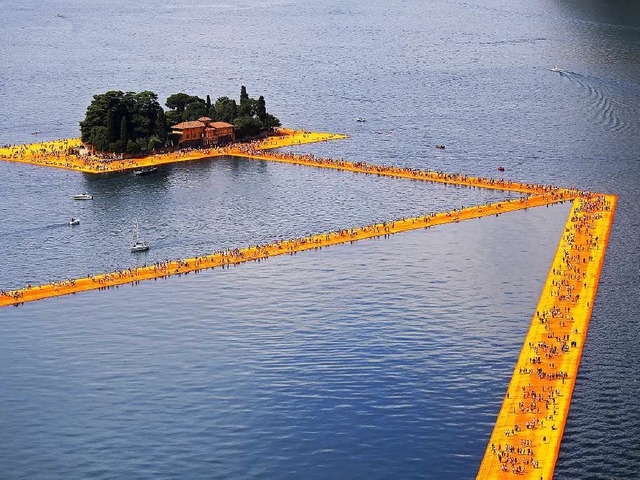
column 204, row 132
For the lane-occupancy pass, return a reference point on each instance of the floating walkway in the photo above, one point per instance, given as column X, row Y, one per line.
column 526, row 438
column 55, row 154
column 58, row 153
column 232, row 257
column 400, row 172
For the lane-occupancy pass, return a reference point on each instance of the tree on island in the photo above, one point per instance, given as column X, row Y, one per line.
column 252, row 116
column 184, row 107
column 249, row 117
column 123, row 122
column 136, row 123
column 226, row 110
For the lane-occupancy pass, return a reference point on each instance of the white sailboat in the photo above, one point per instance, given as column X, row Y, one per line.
column 138, row 245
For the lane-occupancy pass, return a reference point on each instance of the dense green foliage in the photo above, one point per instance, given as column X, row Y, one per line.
column 136, row 123
column 124, row 122
column 249, row 117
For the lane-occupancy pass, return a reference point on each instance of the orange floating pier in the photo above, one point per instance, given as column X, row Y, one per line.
column 54, row 154
column 60, row 153
column 526, row 438
column 230, row 257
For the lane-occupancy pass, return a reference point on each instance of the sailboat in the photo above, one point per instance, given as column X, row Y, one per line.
column 138, row 245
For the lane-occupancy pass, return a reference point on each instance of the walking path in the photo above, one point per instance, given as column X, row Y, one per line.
column 225, row 258
column 527, row 434
column 56, row 154
column 59, row 153
column 398, row 172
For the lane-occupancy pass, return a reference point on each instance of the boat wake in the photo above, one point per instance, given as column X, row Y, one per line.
column 601, row 108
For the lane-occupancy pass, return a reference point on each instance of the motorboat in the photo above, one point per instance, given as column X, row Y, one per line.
column 501, row 169
column 74, row 221
column 145, row 170
column 361, row 120
column 440, row 147
column 82, row 196
column 138, row 245
column 556, row 69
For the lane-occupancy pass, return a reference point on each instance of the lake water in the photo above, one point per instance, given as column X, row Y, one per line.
column 383, row 359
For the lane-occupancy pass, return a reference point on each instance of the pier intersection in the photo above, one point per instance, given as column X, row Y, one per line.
column 527, row 434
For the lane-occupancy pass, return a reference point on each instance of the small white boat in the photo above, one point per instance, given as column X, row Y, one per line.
column 82, row 196
column 555, row 69
column 138, row 245
column 145, row 171
column 361, row 120
column 74, row 221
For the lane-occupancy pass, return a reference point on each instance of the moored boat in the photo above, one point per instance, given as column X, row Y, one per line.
column 145, row 170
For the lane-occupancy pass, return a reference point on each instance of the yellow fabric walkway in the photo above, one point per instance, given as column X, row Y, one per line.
column 263, row 251
column 526, row 437
column 528, row 432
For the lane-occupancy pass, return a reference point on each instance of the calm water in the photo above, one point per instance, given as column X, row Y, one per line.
column 383, row 359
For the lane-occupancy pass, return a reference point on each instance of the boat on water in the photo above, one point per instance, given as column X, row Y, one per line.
column 74, row 221
column 440, row 147
column 361, row 120
column 555, row 69
column 501, row 169
column 138, row 245
column 82, row 196
column 145, row 170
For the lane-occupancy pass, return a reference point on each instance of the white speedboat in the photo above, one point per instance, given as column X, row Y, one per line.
column 555, row 69
column 138, row 245
column 82, row 196
column 361, row 120
column 74, row 221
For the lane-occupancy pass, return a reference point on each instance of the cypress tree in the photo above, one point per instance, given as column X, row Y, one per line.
column 161, row 126
column 261, row 109
column 111, row 126
column 124, row 132
column 208, row 103
column 245, row 103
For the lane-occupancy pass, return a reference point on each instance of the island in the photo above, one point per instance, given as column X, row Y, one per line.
column 130, row 131
column 135, row 123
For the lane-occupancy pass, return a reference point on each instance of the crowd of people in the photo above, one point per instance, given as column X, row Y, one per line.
column 257, row 252
column 62, row 153
column 555, row 339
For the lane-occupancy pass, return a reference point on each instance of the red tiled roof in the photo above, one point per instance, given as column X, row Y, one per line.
column 220, row 125
column 204, row 119
column 192, row 124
